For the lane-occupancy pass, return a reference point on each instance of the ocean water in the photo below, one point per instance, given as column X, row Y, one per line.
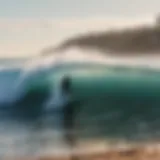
column 120, row 102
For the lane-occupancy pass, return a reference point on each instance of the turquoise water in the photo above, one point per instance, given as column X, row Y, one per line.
column 117, row 103
column 120, row 103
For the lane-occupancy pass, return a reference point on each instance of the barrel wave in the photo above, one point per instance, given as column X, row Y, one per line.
column 120, row 101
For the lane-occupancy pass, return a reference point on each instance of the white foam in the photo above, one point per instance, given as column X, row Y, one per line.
column 89, row 56
column 57, row 99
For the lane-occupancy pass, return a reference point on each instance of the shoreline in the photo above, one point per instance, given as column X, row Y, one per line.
column 136, row 152
column 127, row 154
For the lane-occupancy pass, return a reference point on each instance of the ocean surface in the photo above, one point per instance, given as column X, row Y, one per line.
column 121, row 101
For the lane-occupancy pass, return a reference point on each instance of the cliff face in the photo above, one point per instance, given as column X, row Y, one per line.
column 145, row 39
column 130, row 41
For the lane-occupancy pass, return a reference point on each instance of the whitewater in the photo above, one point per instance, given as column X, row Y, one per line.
column 29, row 89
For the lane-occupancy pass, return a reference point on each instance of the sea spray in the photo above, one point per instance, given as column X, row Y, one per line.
column 58, row 99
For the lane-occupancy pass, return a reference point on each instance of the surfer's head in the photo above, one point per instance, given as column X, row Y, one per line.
column 66, row 84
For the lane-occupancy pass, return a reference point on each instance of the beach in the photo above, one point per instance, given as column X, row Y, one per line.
column 135, row 153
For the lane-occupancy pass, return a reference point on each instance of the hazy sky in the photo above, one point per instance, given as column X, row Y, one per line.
column 27, row 26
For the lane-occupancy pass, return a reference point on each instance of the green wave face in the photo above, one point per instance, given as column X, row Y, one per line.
column 117, row 101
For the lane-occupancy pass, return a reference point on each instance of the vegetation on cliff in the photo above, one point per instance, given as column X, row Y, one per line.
column 144, row 39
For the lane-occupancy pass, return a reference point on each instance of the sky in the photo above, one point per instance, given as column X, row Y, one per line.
column 28, row 26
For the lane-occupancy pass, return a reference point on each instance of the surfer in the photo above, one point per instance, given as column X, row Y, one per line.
column 64, row 103
column 69, row 108
column 69, row 114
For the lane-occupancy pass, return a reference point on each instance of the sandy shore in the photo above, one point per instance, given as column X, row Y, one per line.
column 134, row 153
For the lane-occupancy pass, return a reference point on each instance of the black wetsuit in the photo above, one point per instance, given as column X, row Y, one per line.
column 70, row 112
